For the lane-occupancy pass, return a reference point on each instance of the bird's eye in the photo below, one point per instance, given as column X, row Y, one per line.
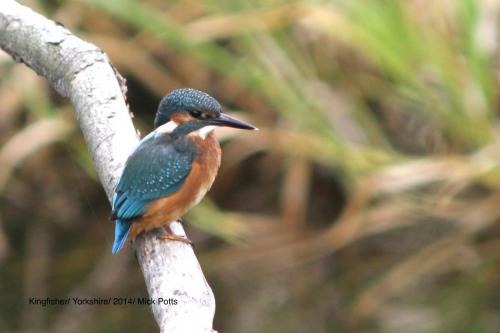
column 195, row 113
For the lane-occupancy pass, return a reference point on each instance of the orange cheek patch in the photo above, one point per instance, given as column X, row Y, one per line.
column 180, row 117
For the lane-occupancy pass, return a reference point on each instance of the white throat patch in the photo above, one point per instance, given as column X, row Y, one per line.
column 167, row 128
column 204, row 131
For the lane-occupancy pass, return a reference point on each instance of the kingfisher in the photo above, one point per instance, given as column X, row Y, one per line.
column 172, row 168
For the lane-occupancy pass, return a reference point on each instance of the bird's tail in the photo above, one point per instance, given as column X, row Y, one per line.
column 122, row 229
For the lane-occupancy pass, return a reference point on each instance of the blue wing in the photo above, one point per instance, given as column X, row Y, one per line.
column 157, row 168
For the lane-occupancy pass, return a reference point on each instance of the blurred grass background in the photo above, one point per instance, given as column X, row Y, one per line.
column 368, row 202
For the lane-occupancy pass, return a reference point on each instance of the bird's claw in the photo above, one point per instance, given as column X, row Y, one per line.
column 170, row 237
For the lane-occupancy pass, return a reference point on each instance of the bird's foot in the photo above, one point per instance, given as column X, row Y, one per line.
column 170, row 237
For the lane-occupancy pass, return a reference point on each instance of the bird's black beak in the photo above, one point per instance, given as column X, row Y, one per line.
column 225, row 120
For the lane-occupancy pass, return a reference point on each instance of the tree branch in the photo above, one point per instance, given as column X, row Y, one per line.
column 83, row 73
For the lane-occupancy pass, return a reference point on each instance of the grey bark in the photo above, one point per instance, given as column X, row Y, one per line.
column 82, row 72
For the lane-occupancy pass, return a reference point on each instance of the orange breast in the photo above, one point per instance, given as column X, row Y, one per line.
column 196, row 185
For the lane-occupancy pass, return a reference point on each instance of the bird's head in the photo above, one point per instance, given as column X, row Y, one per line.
column 194, row 109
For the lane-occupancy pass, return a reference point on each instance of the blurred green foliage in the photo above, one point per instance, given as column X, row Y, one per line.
column 368, row 202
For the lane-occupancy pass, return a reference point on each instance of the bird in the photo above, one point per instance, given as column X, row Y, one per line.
column 172, row 167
